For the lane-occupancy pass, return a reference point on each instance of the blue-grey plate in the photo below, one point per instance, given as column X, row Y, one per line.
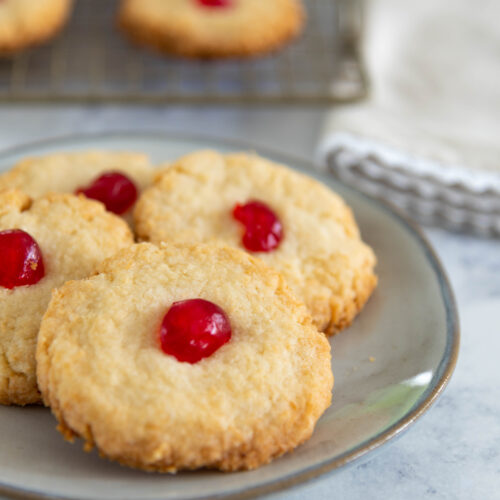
column 389, row 366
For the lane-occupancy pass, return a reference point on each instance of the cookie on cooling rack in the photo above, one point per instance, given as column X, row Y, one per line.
column 24, row 23
column 212, row 28
column 290, row 221
column 179, row 357
column 114, row 178
column 43, row 243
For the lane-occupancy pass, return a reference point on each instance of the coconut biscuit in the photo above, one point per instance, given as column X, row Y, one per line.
column 241, row 28
column 74, row 235
column 103, row 373
column 322, row 256
column 24, row 23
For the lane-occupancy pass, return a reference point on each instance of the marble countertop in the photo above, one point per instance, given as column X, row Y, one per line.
column 453, row 452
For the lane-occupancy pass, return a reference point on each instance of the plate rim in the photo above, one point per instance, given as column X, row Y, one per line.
column 422, row 405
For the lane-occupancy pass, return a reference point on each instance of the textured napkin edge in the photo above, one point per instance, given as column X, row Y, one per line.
column 362, row 148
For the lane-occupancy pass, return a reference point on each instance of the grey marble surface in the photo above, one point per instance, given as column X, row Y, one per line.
column 453, row 452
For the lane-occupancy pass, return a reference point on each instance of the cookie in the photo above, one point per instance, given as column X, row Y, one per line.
column 105, row 370
column 72, row 234
column 69, row 172
column 320, row 252
column 212, row 28
column 24, row 23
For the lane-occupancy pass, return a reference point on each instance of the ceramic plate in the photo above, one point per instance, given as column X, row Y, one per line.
column 389, row 366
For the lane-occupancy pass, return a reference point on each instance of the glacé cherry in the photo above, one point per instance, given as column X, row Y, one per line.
column 263, row 229
column 194, row 329
column 21, row 261
column 114, row 189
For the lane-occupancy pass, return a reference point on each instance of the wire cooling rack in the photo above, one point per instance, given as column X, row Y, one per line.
column 91, row 61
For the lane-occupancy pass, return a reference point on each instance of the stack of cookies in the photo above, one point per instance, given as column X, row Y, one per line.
column 202, row 345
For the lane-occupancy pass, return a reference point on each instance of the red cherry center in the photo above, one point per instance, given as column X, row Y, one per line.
column 263, row 229
column 215, row 3
column 194, row 329
column 21, row 261
column 115, row 190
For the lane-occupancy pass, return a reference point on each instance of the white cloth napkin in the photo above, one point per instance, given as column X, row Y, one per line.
column 431, row 126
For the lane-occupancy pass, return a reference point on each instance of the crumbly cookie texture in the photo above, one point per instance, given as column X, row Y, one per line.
column 66, row 172
column 103, row 373
column 160, row 169
column 184, row 27
column 74, row 235
column 24, row 23
column 322, row 256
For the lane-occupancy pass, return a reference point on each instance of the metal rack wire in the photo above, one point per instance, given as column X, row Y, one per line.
column 91, row 61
